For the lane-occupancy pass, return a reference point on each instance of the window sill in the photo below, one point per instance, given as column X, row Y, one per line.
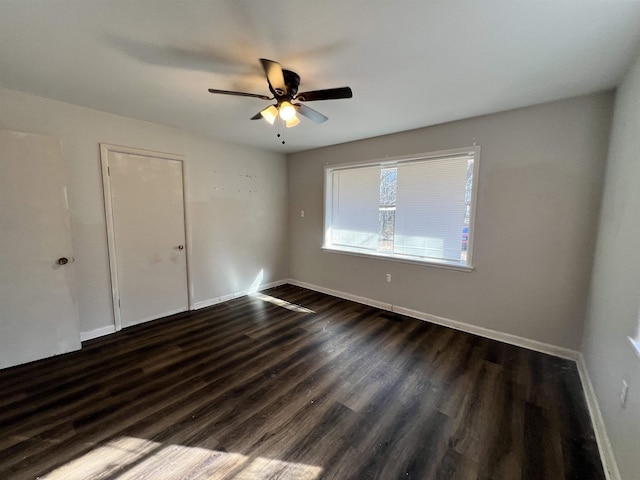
column 379, row 256
column 636, row 345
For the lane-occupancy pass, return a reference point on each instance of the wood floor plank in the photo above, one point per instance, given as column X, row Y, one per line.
column 296, row 385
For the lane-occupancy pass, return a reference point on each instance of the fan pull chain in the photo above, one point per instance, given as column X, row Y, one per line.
column 280, row 125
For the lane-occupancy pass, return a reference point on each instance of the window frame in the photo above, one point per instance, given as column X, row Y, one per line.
column 327, row 246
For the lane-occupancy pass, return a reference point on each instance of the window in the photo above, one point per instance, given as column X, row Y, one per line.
column 635, row 341
column 418, row 208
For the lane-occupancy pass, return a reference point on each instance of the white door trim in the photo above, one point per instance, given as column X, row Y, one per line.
column 105, row 149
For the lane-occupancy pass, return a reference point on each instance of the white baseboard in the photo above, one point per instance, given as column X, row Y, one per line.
column 604, row 445
column 223, row 298
column 98, row 332
column 346, row 296
column 493, row 334
column 446, row 322
column 465, row 327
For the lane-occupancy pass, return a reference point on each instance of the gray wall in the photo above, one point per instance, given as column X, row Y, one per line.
column 235, row 232
column 614, row 301
column 539, row 194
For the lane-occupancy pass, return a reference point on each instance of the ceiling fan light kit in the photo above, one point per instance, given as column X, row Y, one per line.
column 283, row 84
column 287, row 111
column 270, row 114
column 292, row 122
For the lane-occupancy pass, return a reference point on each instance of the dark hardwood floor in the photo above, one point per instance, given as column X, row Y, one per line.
column 250, row 389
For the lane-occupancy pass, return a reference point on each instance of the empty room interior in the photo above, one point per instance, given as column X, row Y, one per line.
column 319, row 240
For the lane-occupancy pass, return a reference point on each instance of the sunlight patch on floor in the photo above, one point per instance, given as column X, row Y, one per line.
column 263, row 468
column 128, row 458
column 281, row 303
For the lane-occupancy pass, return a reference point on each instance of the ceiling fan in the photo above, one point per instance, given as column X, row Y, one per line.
column 283, row 84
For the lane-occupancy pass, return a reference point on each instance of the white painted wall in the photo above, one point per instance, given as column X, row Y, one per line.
column 614, row 301
column 236, row 200
column 540, row 185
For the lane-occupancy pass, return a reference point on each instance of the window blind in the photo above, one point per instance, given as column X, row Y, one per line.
column 356, row 194
column 430, row 208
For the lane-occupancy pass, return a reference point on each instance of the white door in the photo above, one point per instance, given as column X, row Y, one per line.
column 147, row 235
column 38, row 314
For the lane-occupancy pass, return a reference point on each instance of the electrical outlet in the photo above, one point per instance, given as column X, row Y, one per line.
column 623, row 393
column 388, row 278
column 301, row 213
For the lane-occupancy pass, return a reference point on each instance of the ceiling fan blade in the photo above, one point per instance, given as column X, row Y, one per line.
column 310, row 113
column 275, row 77
column 240, row 94
column 328, row 94
column 257, row 116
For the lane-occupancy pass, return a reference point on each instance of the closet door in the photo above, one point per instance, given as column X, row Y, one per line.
column 148, row 243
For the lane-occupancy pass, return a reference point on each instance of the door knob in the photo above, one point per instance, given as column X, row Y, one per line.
column 63, row 261
column 180, row 247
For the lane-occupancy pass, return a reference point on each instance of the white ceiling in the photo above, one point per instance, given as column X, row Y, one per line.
column 410, row 63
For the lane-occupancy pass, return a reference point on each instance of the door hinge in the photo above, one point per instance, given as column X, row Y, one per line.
column 119, row 304
column 108, row 171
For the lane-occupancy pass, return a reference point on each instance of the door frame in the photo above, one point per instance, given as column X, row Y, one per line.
column 105, row 150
